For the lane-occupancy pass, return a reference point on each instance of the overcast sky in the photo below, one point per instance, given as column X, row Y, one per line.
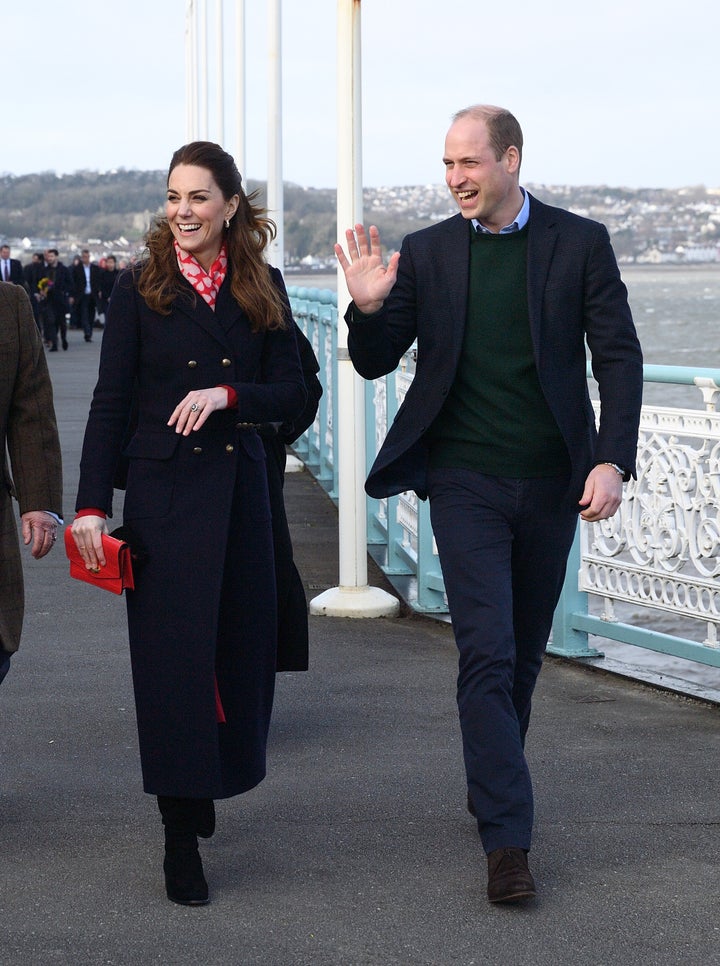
column 623, row 93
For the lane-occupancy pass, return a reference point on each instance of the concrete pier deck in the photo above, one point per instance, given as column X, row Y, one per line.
column 357, row 849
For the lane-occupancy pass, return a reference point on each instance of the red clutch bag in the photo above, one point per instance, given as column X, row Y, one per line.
column 117, row 573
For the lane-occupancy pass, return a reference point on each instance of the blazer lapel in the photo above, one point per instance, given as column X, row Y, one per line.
column 454, row 259
column 542, row 237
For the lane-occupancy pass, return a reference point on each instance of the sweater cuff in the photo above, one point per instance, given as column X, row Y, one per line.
column 91, row 512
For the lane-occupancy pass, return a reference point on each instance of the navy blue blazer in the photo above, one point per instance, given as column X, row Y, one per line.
column 16, row 272
column 575, row 294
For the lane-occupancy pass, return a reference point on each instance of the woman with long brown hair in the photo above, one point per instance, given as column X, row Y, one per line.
column 198, row 350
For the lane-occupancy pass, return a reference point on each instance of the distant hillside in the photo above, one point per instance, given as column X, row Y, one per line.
column 82, row 205
column 111, row 211
column 114, row 209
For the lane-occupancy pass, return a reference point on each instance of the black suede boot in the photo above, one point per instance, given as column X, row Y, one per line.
column 184, row 878
column 204, row 817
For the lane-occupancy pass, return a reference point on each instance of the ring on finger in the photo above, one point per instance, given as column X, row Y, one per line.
column 194, row 408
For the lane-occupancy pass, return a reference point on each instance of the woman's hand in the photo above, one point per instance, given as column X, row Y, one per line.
column 193, row 411
column 87, row 533
column 369, row 281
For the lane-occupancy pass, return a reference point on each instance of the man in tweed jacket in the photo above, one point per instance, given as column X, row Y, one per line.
column 30, row 439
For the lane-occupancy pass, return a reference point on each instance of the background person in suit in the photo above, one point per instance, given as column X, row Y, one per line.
column 57, row 301
column 107, row 278
column 86, row 285
column 11, row 269
column 199, row 341
column 32, row 273
column 498, row 430
column 33, row 474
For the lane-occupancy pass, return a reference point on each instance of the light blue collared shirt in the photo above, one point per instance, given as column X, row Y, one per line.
column 520, row 221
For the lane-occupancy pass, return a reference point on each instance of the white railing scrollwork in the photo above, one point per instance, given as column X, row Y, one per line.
column 662, row 549
column 659, row 554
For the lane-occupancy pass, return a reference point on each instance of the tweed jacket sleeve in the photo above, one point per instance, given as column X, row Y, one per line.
column 26, row 407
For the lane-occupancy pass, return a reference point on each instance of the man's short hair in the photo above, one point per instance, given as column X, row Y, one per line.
column 504, row 130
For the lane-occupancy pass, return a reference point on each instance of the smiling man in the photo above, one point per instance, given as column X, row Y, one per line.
column 497, row 429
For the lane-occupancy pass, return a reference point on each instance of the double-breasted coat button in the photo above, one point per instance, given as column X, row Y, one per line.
column 229, row 448
column 192, row 364
column 226, row 363
column 197, row 449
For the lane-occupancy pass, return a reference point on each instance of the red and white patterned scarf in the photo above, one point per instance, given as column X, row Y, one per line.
column 205, row 283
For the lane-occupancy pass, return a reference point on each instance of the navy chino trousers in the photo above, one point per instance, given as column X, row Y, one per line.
column 503, row 545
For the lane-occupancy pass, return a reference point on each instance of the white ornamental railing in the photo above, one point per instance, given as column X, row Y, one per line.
column 660, row 554
column 662, row 549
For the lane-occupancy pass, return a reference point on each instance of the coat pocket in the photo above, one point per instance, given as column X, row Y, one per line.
column 151, row 475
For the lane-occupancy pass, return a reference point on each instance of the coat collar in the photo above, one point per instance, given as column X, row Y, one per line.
column 217, row 323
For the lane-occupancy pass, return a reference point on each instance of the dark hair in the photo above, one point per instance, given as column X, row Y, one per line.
column 246, row 239
column 504, row 131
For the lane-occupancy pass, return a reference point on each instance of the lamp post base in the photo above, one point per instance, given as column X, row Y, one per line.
column 355, row 602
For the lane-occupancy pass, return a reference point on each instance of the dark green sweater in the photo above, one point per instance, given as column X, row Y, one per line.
column 495, row 419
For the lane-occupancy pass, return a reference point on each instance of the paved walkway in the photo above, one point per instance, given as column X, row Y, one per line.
column 357, row 848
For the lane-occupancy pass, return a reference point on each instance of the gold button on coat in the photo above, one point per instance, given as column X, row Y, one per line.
column 226, row 363
column 197, row 449
column 229, row 448
column 192, row 364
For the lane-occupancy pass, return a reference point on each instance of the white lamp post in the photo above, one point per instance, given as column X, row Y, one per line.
column 353, row 597
column 275, row 199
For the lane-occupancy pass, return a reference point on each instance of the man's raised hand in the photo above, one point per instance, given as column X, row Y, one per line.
column 369, row 281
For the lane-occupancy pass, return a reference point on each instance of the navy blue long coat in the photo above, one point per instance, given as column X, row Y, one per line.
column 204, row 606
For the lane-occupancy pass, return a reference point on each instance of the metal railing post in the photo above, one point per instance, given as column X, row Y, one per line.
column 567, row 641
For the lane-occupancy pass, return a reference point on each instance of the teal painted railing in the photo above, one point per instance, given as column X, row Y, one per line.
column 399, row 533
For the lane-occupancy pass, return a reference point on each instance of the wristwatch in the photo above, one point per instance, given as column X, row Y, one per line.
column 618, row 469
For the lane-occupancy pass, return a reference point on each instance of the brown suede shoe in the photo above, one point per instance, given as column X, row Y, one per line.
column 509, row 878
